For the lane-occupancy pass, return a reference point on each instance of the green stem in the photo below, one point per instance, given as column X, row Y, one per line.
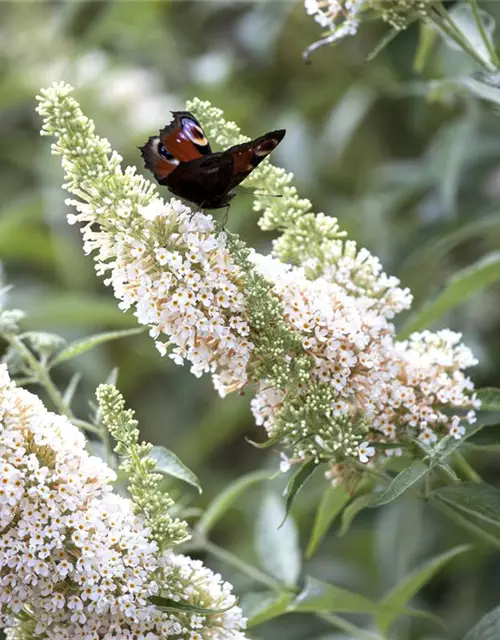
column 348, row 627
column 443, row 21
column 469, row 472
column 42, row 375
column 108, row 449
column 237, row 563
column 87, row 426
column 378, row 475
column 480, row 25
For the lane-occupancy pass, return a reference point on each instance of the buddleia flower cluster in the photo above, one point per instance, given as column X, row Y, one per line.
column 342, row 18
column 76, row 561
column 309, row 328
column 339, row 16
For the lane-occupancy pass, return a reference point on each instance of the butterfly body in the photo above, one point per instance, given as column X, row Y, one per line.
column 181, row 159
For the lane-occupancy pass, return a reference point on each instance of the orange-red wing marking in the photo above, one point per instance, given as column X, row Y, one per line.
column 248, row 155
column 184, row 138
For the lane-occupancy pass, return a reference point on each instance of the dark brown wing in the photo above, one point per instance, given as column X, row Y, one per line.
column 181, row 141
column 248, row 155
column 203, row 181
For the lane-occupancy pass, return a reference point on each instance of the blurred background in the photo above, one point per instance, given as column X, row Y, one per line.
column 408, row 162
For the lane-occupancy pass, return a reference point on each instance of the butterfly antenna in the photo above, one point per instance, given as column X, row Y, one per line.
column 254, row 192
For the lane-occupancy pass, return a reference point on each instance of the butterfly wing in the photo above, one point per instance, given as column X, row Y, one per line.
column 184, row 137
column 249, row 155
column 203, row 180
column 181, row 141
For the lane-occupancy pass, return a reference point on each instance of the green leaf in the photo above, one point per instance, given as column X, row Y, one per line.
column 72, row 310
column 27, row 243
column 453, row 151
column 481, row 88
column 318, row 596
column 169, row 464
column 466, row 523
column 427, row 38
column 70, row 390
column 296, row 483
column 448, row 445
column 488, row 628
column 394, row 603
column 260, row 607
column 78, row 347
column 464, row 284
column 480, row 37
column 490, row 398
column 401, row 483
column 218, row 507
column 332, row 502
column 350, row 512
column 167, row 604
column 424, row 258
column 382, row 44
column 474, row 498
column 277, row 542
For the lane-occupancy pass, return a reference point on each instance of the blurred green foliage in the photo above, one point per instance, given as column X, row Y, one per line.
column 410, row 164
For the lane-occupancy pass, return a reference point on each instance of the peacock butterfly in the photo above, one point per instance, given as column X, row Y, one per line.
column 181, row 158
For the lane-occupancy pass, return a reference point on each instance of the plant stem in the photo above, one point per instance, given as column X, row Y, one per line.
column 348, row 627
column 444, row 22
column 480, row 25
column 42, row 375
column 469, row 472
column 87, row 426
column 249, row 570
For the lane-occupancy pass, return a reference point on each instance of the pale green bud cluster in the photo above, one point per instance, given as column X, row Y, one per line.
column 144, row 484
column 278, row 355
column 400, row 13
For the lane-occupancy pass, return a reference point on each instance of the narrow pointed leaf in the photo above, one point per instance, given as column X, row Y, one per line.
column 81, row 346
column 427, row 38
column 464, row 20
column 70, row 390
column 394, row 603
column 260, row 607
column 296, row 483
column 170, row 465
column 218, row 507
column 464, row 284
column 490, row 398
column 403, row 481
column 318, row 596
column 466, row 523
column 478, row 499
column 448, row 445
column 333, row 501
column 277, row 542
column 350, row 512
column 488, row 628
column 74, row 310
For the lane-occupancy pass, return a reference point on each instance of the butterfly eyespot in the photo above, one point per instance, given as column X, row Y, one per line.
column 165, row 153
column 194, row 132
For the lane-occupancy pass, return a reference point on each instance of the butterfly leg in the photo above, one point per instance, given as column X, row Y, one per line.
column 225, row 218
column 199, row 209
